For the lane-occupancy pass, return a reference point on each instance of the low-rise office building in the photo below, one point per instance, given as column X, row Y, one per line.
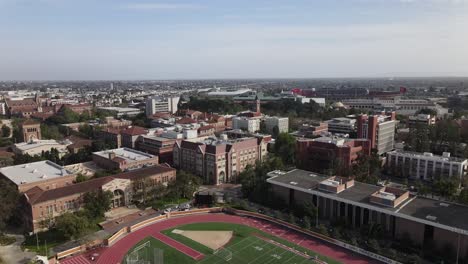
column 421, row 119
column 425, row 166
column 124, row 159
column 121, row 111
column 159, row 146
column 342, row 125
column 311, row 130
column 400, row 214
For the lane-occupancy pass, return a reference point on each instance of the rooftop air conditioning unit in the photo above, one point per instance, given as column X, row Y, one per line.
column 431, row 217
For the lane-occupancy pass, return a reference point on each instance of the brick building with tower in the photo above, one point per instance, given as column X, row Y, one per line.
column 31, row 130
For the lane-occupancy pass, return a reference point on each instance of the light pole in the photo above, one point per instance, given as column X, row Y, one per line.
column 458, row 246
column 317, row 213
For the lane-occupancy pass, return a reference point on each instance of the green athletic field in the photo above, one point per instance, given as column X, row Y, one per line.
column 243, row 247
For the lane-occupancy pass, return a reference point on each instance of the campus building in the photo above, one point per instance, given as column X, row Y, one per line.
column 31, row 130
column 41, row 204
column 425, row 221
column 161, row 105
column 159, row 146
column 123, row 159
column 282, row 123
column 325, row 153
column 42, row 174
column 219, row 161
column 379, row 129
column 342, row 125
column 311, row 130
column 425, row 166
column 249, row 124
column 421, row 119
column 37, row 147
column 130, row 135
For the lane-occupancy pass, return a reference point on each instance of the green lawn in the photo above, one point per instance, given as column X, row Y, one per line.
column 244, row 247
column 52, row 238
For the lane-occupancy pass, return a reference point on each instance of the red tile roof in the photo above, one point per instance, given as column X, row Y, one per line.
column 186, row 120
column 135, row 131
column 78, row 188
column 37, row 195
column 144, row 172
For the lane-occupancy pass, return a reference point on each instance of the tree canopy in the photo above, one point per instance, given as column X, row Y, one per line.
column 9, row 200
column 254, row 184
column 185, row 185
column 71, row 225
column 97, row 203
column 285, row 148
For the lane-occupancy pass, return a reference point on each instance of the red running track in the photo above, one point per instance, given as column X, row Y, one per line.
column 115, row 253
column 179, row 246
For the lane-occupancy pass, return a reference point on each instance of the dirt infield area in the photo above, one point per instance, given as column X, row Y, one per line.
column 211, row 239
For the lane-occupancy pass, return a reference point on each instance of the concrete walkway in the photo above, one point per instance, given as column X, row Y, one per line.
column 13, row 253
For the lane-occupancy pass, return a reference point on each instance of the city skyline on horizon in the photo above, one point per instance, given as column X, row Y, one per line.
column 182, row 40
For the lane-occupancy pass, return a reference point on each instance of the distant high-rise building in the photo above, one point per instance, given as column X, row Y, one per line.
column 161, row 105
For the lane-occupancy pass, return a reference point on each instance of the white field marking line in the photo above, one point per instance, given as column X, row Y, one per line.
column 248, row 246
column 241, row 242
column 293, row 256
column 235, row 255
column 284, row 251
column 232, row 251
column 255, row 259
column 263, row 245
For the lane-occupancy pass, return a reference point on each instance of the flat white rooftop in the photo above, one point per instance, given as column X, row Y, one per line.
column 120, row 109
column 24, row 146
column 330, row 182
column 125, row 153
column 385, row 195
column 34, row 172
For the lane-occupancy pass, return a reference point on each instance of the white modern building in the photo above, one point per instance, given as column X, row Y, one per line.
column 318, row 100
column 421, row 119
column 161, row 105
column 281, row 122
column 342, row 125
column 401, row 106
column 217, row 92
column 121, row 111
column 251, row 125
column 425, row 166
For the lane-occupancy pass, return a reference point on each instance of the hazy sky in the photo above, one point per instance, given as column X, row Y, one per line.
column 171, row 39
